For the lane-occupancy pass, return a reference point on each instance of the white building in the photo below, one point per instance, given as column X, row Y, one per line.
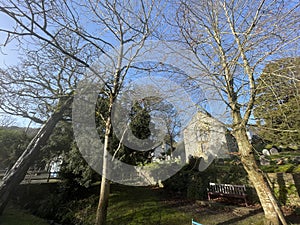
column 208, row 138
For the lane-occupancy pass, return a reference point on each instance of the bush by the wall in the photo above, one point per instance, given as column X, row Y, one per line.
column 192, row 183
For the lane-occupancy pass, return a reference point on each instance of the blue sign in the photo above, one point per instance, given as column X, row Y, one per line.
column 195, row 223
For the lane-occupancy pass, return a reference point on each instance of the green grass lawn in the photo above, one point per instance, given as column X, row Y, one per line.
column 140, row 205
column 149, row 206
column 143, row 206
column 19, row 217
column 136, row 206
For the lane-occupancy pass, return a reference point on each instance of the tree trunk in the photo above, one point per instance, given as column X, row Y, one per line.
column 101, row 213
column 273, row 213
column 105, row 184
column 17, row 173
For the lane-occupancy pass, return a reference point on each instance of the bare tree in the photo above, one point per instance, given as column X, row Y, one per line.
column 6, row 120
column 100, row 28
column 33, row 88
column 17, row 173
column 232, row 41
column 40, row 89
column 172, row 122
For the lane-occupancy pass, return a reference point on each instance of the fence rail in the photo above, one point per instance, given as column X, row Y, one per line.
column 36, row 176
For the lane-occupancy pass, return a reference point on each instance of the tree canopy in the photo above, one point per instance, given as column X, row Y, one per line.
column 277, row 108
column 12, row 144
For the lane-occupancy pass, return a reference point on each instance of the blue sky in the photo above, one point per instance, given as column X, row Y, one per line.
column 9, row 53
column 9, row 56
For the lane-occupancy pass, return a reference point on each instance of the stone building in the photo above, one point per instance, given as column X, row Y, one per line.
column 208, row 138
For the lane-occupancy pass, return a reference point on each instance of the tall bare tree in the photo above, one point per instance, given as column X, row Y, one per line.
column 100, row 27
column 40, row 89
column 232, row 41
column 32, row 88
column 18, row 171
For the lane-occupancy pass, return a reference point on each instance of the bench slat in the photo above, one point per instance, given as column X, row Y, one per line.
column 227, row 190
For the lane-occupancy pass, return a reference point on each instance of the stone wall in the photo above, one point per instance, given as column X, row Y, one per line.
column 286, row 187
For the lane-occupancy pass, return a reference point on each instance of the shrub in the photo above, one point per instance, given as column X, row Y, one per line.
column 192, row 183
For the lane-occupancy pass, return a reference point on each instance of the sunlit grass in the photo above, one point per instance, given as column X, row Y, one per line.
column 140, row 205
column 135, row 206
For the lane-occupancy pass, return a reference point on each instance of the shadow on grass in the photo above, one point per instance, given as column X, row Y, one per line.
column 241, row 218
column 294, row 218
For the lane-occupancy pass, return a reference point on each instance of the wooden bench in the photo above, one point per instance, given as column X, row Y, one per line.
column 227, row 190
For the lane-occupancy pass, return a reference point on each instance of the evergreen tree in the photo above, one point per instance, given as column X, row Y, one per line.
column 139, row 124
column 277, row 109
column 13, row 141
column 140, row 120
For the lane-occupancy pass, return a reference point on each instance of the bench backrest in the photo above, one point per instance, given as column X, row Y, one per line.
column 227, row 188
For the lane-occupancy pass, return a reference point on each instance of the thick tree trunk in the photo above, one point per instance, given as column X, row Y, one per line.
column 17, row 173
column 273, row 213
